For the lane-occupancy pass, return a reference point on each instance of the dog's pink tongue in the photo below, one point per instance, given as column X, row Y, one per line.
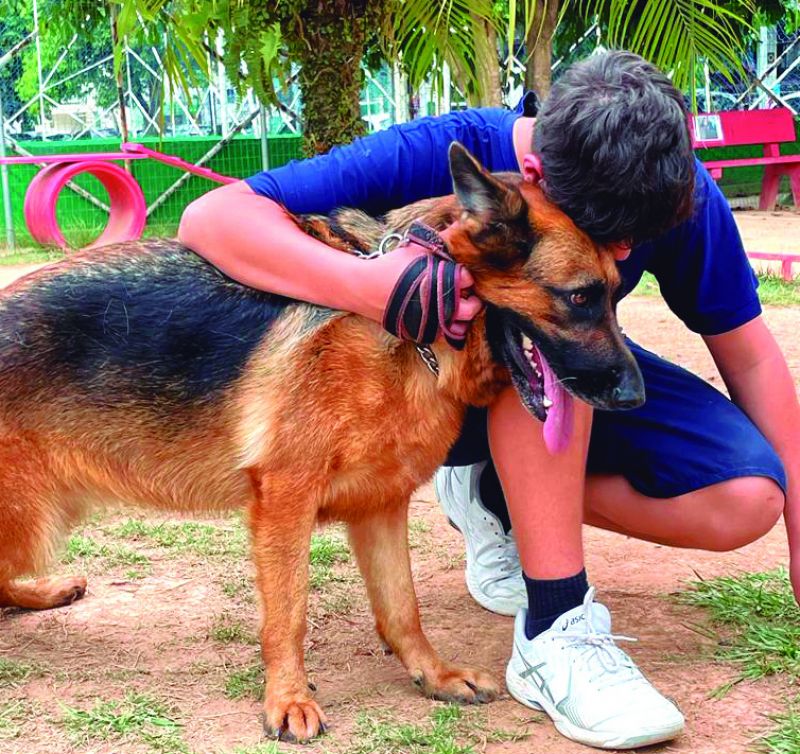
column 558, row 425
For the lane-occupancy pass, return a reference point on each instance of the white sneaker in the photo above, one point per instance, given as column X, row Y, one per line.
column 493, row 575
column 591, row 689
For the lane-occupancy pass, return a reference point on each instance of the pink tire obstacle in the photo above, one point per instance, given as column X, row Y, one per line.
column 127, row 208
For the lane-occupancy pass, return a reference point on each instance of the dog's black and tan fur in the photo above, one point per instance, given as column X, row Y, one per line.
column 140, row 373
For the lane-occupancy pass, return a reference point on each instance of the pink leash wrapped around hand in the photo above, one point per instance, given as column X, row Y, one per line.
column 425, row 297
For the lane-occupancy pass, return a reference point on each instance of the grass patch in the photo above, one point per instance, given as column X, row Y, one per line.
column 81, row 548
column 268, row 747
column 13, row 717
column 238, row 586
column 246, row 684
column 208, row 540
column 15, row 672
column 773, row 290
column 448, row 730
column 647, row 286
column 761, row 624
column 228, row 630
column 138, row 717
column 327, row 549
column 763, row 619
column 31, row 256
column 785, row 738
column 226, row 540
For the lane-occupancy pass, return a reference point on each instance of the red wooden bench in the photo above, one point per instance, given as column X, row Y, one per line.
column 748, row 127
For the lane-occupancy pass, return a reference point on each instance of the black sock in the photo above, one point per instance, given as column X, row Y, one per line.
column 549, row 598
column 492, row 496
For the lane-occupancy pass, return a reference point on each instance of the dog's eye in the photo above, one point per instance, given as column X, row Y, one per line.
column 578, row 298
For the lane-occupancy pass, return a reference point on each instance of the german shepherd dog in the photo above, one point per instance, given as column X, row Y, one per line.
column 140, row 373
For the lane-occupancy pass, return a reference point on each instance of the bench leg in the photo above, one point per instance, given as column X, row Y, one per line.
column 794, row 178
column 786, row 270
column 769, row 188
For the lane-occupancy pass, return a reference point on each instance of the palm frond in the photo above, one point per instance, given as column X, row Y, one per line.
column 422, row 35
column 676, row 34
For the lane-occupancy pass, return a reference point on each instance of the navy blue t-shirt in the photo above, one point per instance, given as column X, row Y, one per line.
column 701, row 265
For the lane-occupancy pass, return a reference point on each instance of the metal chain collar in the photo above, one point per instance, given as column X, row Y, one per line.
column 426, row 353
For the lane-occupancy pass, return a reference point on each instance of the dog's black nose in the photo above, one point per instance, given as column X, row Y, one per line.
column 629, row 393
column 624, row 399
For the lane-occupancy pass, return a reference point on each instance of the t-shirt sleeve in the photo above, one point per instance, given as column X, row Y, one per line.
column 390, row 168
column 702, row 269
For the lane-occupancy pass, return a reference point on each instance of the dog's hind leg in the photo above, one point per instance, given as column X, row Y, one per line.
column 282, row 518
column 30, row 516
column 380, row 543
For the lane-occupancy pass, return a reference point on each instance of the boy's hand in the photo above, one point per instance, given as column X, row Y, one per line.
column 382, row 273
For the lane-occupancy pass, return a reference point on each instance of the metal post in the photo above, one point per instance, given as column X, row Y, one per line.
column 39, row 66
column 707, row 76
column 222, row 85
column 11, row 241
column 400, row 94
column 445, row 108
column 262, row 122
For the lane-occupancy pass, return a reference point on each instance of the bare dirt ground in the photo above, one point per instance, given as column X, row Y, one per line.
column 170, row 614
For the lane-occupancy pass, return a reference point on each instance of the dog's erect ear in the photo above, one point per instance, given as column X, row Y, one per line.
column 478, row 192
column 496, row 213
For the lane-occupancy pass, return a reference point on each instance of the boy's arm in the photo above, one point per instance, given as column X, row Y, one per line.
column 758, row 379
column 252, row 240
column 243, row 228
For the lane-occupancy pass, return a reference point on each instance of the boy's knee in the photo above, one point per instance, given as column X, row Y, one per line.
column 748, row 508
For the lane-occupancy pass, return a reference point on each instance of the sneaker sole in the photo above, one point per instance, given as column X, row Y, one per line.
column 530, row 697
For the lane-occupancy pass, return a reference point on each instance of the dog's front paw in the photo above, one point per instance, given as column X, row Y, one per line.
column 450, row 683
column 295, row 718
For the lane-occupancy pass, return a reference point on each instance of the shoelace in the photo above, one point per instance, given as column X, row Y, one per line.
column 601, row 644
column 503, row 552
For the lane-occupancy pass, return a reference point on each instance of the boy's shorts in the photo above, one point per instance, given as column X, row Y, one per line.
column 686, row 436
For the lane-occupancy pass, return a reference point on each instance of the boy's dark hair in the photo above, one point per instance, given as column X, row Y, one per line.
column 615, row 148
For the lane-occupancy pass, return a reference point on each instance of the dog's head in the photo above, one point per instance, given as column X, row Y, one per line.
column 550, row 292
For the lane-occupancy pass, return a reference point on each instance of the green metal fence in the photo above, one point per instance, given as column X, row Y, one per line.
column 241, row 157
column 82, row 221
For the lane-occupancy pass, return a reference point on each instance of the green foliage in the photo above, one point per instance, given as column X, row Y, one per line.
column 423, row 35
column 54, row 36
column 675, row 34
column 16, row 23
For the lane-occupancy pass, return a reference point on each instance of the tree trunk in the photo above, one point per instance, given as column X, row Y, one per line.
column 487, row 65
column 330, row 76
column 539, row 43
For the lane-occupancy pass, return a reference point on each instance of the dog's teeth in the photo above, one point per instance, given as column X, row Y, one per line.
column 527, row 343
column 546, row 402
